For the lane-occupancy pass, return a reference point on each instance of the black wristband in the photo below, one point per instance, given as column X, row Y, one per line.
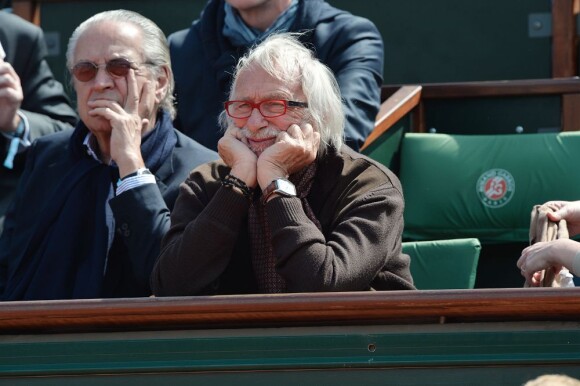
column 231, row 181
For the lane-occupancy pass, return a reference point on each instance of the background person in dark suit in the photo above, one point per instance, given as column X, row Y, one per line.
column 93, row 203
column 32, row 102
column 204, row 57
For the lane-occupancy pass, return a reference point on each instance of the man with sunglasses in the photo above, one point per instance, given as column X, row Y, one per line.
column 93, row 203
column 288, row 208
column 32, row 102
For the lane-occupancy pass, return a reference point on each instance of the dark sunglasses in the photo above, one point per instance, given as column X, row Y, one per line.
column 86, row 71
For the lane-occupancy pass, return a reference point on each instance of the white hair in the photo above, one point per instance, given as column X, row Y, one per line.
column 155, row 50
column 282, row 56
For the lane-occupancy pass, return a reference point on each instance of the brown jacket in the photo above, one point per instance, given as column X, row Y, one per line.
column 358, row 202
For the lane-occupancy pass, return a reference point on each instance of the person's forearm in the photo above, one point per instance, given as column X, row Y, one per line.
column 197, row 250
column 142, row 218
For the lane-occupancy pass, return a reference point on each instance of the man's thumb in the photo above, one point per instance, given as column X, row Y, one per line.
column 557, row 215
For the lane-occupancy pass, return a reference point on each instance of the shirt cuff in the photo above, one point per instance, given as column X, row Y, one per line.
column 132, row 182
column 19, row 141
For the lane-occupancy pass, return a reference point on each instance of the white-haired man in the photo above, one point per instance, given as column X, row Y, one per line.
column 288, row 209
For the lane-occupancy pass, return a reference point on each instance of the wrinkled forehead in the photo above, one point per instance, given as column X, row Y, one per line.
column 257, row 83
column 115, row 38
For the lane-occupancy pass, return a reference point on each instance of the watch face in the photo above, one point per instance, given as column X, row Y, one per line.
column 285, row 186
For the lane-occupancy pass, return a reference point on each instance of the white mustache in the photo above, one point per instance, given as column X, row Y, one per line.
column 267, row 132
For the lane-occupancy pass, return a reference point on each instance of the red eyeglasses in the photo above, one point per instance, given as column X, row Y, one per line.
column 270, row 108
column 86, row 71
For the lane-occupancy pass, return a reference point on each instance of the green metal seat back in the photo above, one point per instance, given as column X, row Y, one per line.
column 484, row 186
column 444, row 264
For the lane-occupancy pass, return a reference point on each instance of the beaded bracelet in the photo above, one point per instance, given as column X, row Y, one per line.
column 231, row 181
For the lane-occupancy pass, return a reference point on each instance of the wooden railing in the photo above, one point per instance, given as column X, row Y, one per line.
column 324, row 309
column 499, row 337
column 399, row 100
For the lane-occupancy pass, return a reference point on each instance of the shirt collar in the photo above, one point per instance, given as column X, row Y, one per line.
column 92, row 148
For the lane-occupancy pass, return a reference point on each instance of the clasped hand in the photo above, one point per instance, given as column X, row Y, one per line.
column 566, row 210
column 291, row 151
column 552, row 254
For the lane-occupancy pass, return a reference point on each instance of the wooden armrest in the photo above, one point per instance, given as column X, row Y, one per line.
column 30, row 9
column 506, row 88
column 392, row 109
column 568, row 89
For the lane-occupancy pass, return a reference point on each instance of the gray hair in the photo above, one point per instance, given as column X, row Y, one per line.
column 155, row 48
column 283, row 57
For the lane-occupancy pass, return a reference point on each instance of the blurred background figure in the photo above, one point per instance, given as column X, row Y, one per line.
column 32, row 102
column 204, row 57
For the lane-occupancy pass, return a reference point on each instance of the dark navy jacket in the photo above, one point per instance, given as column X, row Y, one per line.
column 141, row 214
column 203, row 60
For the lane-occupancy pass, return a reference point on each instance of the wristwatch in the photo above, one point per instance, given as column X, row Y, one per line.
column 138, row 172
column 279, row 186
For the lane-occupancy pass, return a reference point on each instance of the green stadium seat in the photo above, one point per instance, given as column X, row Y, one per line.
column 444, row 264
column 484, row 186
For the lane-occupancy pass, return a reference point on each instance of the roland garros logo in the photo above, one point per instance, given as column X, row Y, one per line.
column 495, row 188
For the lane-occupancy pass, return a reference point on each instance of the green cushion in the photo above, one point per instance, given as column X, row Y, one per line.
column 484, row 186
column 443, row 264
